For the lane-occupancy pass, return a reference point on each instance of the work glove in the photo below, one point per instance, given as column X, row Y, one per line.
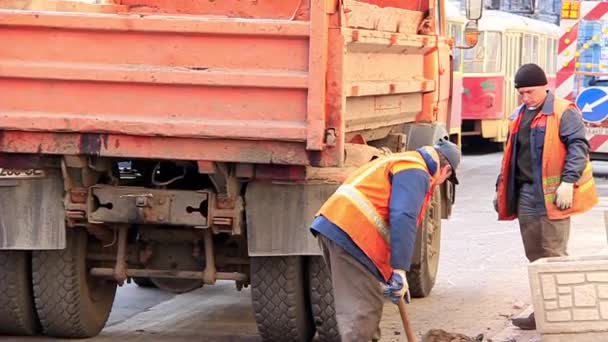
column 563, row 195
column 397, row 287
column 495, row 202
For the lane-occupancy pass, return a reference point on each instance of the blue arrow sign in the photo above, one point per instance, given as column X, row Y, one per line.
column 593, row 102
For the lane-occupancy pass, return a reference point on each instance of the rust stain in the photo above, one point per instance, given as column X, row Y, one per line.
column 78, row 195
column 104, row 140
column 315, row 157
column 27, row 161
column 90, row 143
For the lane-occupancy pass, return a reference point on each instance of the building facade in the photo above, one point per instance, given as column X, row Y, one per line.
column 546, row 10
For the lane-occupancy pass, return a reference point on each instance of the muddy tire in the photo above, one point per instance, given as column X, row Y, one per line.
column 322, row 300
column 70, row 303
column 423, row 270
column 280, row 300
column 17, row 314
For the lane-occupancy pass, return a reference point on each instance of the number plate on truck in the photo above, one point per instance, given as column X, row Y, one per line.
column 21, row 173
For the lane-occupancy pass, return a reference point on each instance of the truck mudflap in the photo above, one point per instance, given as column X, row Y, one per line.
column 32, row 215
column 279, row 217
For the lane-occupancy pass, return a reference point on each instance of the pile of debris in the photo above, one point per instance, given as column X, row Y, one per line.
column 438, row 335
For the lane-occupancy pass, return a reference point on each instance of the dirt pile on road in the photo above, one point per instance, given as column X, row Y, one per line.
column 438, row 335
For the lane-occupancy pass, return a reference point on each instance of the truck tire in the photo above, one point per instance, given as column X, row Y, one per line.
column 280, row 300
column 423, row 272
column 17, row 314
column 322, row 300
column 69, row 302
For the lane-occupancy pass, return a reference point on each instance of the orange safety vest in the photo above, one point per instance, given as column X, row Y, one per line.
column 360, row 206
column 553, row 159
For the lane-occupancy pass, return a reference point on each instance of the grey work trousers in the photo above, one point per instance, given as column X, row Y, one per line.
column 357, row 294
column 542, row 237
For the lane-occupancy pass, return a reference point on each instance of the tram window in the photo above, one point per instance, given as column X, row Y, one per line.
column 473, row 58
column 493, row 51
column 551, row 55
column 554, row 56
column 530, row 49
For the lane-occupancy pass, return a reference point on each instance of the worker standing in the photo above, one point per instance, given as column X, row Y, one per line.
column 546, row 174
column 367, row 232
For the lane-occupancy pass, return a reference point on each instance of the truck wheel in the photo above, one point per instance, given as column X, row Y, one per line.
column 71, row 303
column 322, row 300
column 423, row 271
column 280, row 299
column 17, row 314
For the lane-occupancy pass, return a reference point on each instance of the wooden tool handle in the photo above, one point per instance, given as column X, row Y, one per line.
column 407, row 326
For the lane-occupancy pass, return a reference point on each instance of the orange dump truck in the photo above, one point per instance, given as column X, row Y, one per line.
column 178, row 143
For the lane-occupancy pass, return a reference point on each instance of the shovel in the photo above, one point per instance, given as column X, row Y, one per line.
column 407, row 326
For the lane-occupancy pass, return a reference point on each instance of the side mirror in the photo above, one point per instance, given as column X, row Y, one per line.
column 474, row 8
column 471, row 35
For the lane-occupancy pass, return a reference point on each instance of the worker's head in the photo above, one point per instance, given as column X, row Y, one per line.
column 449, row 159
column 531, row 84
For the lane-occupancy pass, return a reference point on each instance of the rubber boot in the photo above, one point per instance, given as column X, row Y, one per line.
column 526, row 323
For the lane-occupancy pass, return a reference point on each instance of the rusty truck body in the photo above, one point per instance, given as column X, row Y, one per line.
column 177, row 143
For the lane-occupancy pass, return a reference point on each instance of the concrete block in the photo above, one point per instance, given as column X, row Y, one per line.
column 565, row 301
column 558, row 316
column 578, row 286
column 564, row 279
column 585, row 314
column 602, row 291
column 604, row 310
column 550, row 305
column 599, row 277
column 584, row 295
column 576, row 337
column 548, row 284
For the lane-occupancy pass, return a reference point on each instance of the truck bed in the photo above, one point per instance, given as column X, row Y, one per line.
column 284, row 83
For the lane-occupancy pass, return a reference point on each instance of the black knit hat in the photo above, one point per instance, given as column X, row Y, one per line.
column 530, row 75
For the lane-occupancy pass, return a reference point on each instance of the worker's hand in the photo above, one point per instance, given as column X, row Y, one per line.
column 397, row 287
column 563, row 195
column 495, row 202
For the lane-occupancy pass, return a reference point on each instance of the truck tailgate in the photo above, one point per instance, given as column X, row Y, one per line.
column 266, row 87
column 157, row 75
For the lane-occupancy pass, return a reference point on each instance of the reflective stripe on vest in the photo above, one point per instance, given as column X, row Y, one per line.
column 367, row 208
column 550, row 184
column 350, row 192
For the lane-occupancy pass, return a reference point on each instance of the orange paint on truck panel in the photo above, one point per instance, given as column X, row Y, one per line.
column 271, row 9
column 257, row 82
column 168, row 148
column 419, row 5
